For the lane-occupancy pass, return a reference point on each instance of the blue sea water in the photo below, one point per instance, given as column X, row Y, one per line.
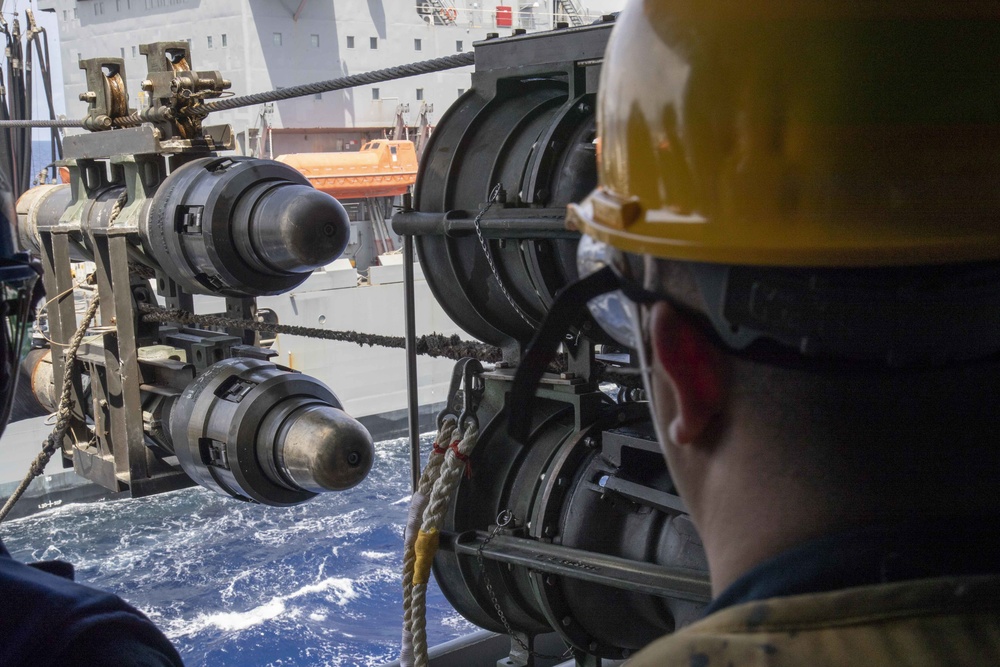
column 235, row 584
column 41, row 155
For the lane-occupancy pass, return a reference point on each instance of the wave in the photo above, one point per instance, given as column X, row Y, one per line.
column 238, row 585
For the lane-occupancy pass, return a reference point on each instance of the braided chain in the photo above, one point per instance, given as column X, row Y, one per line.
column 431, row 345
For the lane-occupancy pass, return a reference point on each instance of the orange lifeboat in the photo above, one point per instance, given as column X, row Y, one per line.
column 382, row 168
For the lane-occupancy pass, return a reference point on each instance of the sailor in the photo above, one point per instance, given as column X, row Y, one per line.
column 46, row 619
column 800, row 199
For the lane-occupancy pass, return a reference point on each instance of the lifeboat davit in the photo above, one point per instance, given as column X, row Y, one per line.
column 382, row 168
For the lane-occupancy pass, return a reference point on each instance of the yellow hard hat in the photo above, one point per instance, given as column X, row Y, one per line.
column 823, row 133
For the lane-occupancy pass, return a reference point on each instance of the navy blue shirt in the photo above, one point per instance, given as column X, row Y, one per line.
column 874, row 555
column 47, row 619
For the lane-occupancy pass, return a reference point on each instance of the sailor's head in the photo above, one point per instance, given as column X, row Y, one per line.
column 799, row 199
column 20, row 289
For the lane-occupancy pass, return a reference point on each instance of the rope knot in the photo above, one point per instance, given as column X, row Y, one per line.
column 438, row 449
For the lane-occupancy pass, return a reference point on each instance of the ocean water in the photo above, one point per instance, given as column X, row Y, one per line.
column 41, row 155
column 235, row 584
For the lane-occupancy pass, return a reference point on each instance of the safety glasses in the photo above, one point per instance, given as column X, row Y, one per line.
column 822, row 318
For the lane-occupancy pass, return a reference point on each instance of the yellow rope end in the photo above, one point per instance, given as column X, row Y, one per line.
column 425, row 547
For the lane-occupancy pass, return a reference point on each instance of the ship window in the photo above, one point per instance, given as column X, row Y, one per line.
column 392, row 149
column 225, row 42
column 74, row 12
column 417, row 45
column 315, row 41
column 373, row 42
column 420, row 94
column 350, row 41
column 277, row 38
column 134, row 52
column 209, row 41
column 374, row 93
column 318, row 96
column 123, row 53
column 65, row 15
column 118, row 8
column 458, row 45
column 461, row 91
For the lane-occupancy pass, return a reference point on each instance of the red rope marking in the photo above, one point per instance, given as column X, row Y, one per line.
column 464, row 458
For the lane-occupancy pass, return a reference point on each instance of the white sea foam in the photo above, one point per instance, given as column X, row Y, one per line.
column 377, row 555
column 405, row 500
column 234, row 620
column 341, row 592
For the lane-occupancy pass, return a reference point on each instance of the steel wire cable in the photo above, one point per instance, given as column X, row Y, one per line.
column 351, row 81
column 365, row 78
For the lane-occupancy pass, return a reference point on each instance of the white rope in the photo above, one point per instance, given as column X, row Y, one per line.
column 417, row 505
column 455, row 463
column 65, row 412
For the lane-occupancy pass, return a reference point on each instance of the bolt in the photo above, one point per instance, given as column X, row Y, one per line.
column 549, row 531
column 560, row 481
column 590, row 441
column 567, row 621
column 583, row 108
column 88, row 96
column 146, row 84
column 353, row 459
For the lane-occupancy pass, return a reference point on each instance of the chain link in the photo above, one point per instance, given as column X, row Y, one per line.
column 432, row 345
column 503, row 520
column 489, row 254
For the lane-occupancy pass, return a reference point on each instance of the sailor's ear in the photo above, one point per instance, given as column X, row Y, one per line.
column 697, row 369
